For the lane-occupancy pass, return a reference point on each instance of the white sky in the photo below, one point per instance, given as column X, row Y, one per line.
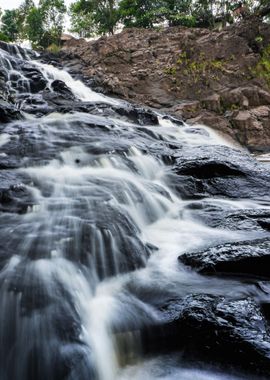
column 11, row 4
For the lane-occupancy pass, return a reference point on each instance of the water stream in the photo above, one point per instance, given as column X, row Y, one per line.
column 100, row 237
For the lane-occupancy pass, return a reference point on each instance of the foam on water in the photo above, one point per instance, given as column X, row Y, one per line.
column 81, row 91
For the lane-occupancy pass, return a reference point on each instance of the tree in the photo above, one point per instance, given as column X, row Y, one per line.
column 146, row 14
column 83, row 24
column 203, row 11
column 179, row 12
column 53, row 13
column 82, row 20
column 102, row 14
column 44, row 24
column 10, row 25
column 141, row 13
column 22, row 13
column 106, row 16
column 34, row 28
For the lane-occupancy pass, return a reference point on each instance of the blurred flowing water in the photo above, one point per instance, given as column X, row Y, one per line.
column 104, row 225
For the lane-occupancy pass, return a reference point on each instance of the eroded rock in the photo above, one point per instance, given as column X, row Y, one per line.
column 215, row 329
column 250, row 257
column 219, row 171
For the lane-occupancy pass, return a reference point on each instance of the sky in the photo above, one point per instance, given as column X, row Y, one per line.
column 11, row 4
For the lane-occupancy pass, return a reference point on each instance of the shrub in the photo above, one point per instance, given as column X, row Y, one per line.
column 53, row 48
column 4, row 37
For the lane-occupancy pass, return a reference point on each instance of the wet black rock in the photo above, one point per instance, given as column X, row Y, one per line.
column 15, row 197
column 217, row 216
column 213, row 329
column 250, row 257
column 265, row 223
column 126, row 112
column 8, row 112
column 173, row 119
column 219, row 171
column 37, row 82
column 107, row 242
column 15, row 50
column 62, row 89
column 54, row 59
column 138, row 115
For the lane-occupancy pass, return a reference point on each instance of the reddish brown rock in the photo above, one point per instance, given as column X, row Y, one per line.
column 187, row 109
column 253, row 127
column 194, row 73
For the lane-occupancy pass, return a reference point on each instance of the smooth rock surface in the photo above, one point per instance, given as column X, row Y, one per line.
column 250, row 257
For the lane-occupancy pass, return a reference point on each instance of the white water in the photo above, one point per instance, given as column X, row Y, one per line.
column 167, row 368
column 82, row 92
column 173, row 231
column 140, row 191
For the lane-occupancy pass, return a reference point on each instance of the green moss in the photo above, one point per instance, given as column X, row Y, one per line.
column 171, row 70
column 262, row 69
column 259, row 39
column 234, row 107
column 198, row 69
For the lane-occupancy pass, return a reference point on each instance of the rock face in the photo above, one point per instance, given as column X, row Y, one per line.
column 230, row 331
column 202, row 76
column 247, row 257
column 234, row 220
column 219, row 171
column 8, row 112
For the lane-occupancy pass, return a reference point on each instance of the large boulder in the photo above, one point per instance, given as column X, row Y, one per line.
column 8, row 112
column 219, row 171
column 250, row 257
column 252, row 127
column 222, row 217
column 213, row 329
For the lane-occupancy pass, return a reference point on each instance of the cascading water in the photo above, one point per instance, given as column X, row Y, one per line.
column 95, row 234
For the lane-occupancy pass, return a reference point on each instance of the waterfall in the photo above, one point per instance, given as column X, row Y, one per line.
column 96, row 223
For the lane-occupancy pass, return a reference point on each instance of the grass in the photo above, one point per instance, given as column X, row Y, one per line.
column 262, row 69
column 54, row 49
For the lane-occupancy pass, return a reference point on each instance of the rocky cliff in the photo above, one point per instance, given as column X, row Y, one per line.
column 219, row 78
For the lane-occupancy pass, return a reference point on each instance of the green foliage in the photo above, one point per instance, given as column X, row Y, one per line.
column 10, row 25
column 179, row 19
column 34, row 28
column 170, row 70
column 53, row 12
column 259, row 39
column 101, row 16
column 262, row 69
column 44, row 24
column 22, row 14
column 53, row 48
column 147, row 13
column 140, row 13
column 89, row 17
column 82, row 20
column 196, row 69
column 4, row 37
column 178, row 10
